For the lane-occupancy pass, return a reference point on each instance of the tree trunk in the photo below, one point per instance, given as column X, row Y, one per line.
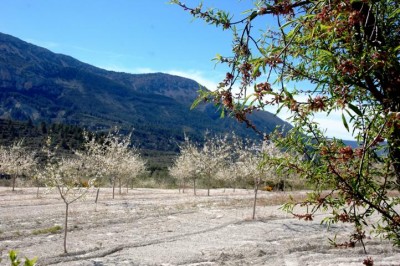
column 120, row 186
column 194, row 187
column 97, row 195
column 13, row 182
column 66, row 227
column 113, row 194
column 255, row 198
column 208, row 186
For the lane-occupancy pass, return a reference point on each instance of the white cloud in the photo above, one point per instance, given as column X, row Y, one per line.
column 195, row 75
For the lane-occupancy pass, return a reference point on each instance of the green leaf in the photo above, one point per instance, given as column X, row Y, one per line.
column 395, row 13
column 288, row 94
column 287, row 24
column 325, row 53
column 203, row 95
column 345, row 122
column 14, row 258
column 218, row 58
column 352, row 117
column 196, row 103
column 279, row 109
column 31, row 262
column 355, row 109
column 222, row 113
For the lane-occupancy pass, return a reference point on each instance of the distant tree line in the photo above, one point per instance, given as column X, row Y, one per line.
column 66, row 137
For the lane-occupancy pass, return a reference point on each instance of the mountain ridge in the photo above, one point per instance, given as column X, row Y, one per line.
column 40, row 85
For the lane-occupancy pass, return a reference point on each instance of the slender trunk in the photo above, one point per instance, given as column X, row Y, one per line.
column 13, row 182
column 208, row 186
column 194, row 186
column 113, row 194
column 66, row 227
column 97, row 195
column 38, row 186
column 255, row 199
column 120, row 186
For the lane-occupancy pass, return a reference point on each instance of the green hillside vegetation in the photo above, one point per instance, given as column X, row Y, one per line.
column 66, row 137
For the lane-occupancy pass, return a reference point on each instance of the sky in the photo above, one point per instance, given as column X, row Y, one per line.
column 134, row 36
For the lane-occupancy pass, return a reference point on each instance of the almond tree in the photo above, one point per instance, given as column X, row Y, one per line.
column 120, row 160
column 94, row 153
column 16, row 160
column 258, row 163
column 314, row 57
column 238, row 148
column 184, row 168
column 249, row 167
column 114, row 158
column 211, row 158
column 201, row 162
column 72, row 177
column 229, row 174
column 115, row 150
column 180, row 170
column 37, row 178
column 131, row 167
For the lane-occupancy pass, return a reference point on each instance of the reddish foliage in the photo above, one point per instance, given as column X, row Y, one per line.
column 368, row 262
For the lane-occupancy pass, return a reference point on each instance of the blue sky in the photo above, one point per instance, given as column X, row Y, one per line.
column 135, row 36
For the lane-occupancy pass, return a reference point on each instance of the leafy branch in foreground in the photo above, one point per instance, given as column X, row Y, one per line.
column 323, row 57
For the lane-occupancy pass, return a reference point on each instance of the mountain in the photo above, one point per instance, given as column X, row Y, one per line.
column 39, row 85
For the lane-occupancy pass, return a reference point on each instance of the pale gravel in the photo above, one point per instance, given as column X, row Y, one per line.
column 165, row 227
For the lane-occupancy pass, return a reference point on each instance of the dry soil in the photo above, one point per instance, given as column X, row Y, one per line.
column 165, row 227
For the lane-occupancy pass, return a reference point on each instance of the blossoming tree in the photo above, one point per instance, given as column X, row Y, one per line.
column 16, row 160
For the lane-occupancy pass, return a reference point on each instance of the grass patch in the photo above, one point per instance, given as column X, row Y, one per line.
column 51, row 230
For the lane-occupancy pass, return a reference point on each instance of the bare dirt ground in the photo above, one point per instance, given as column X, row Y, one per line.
column 165, row 227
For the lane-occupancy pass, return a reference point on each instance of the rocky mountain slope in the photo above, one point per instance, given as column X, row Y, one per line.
column 40, row 85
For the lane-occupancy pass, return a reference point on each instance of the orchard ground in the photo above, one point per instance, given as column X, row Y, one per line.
column 165, row 227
